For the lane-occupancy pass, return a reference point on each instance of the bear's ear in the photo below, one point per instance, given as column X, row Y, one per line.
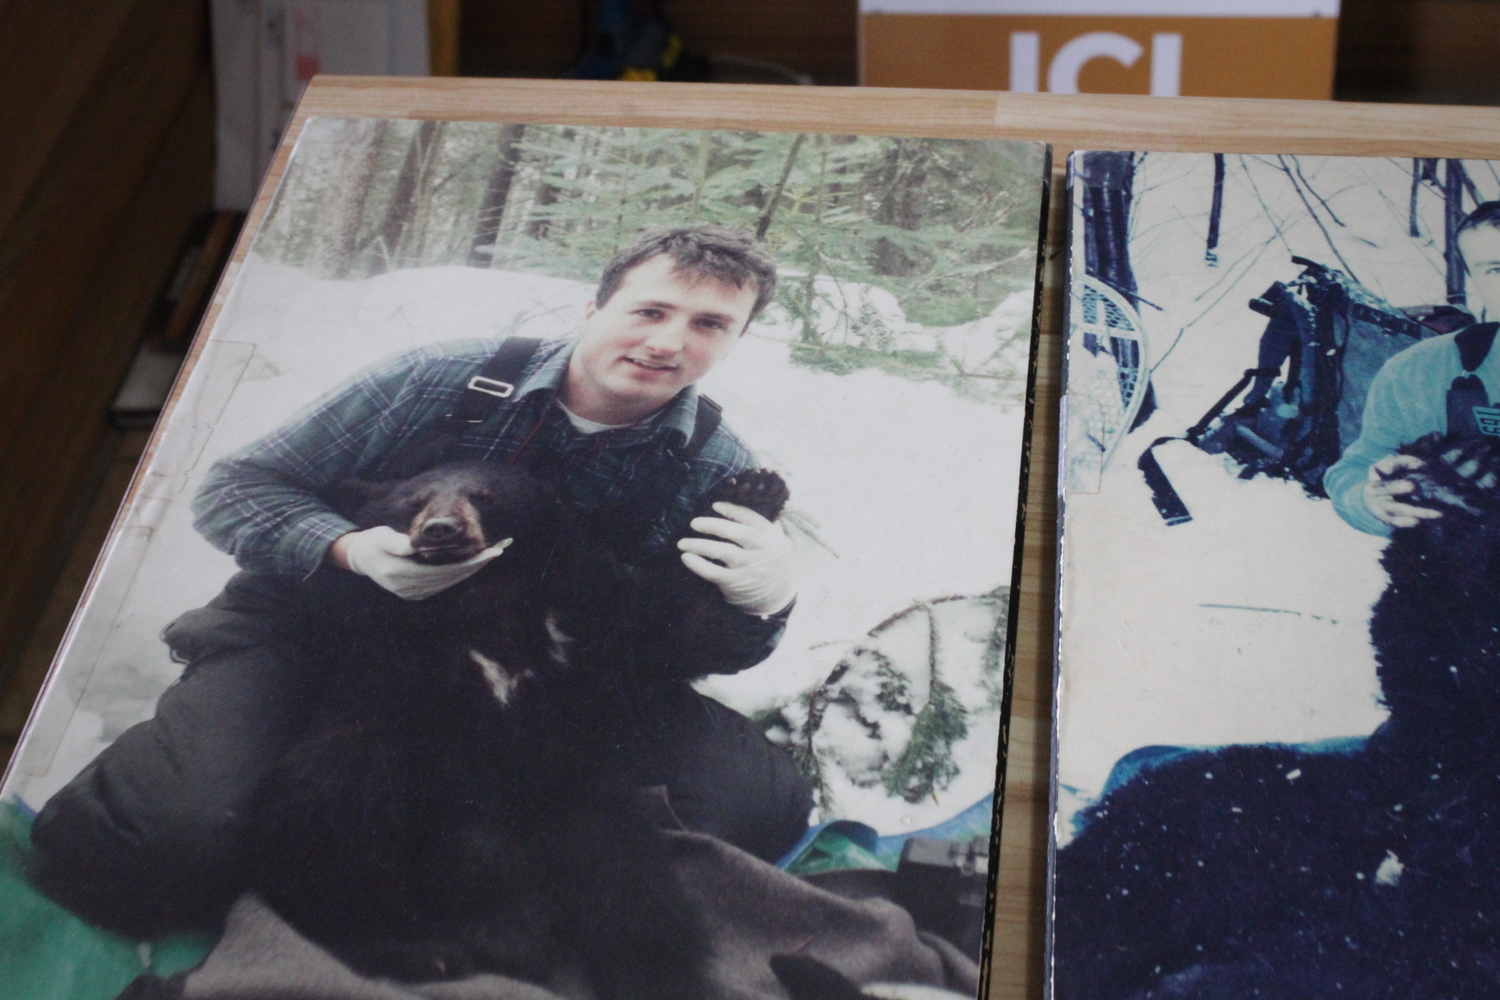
column 351, row 496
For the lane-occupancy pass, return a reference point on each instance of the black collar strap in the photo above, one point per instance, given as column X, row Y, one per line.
column 496, row 381
column 1467, row 391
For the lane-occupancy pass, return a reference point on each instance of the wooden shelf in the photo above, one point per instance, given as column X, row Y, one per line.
column 1068, row 122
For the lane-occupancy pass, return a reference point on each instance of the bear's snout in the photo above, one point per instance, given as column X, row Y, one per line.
column 441, row 529
column 447, row 530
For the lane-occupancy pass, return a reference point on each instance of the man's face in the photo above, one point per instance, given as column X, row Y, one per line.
column 1481, row 249
column 655, row 335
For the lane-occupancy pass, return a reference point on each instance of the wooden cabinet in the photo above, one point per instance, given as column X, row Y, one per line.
column 106, row 120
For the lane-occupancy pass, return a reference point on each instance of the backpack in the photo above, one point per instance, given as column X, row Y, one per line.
column 1326, row 338
column 494, row 383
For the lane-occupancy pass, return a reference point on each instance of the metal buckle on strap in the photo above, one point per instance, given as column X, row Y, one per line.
column 491, row 387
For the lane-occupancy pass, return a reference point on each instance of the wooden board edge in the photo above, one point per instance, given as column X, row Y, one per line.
column 1066, row 121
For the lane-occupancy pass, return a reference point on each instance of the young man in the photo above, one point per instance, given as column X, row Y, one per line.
column 144, row 839
column 1409, row 399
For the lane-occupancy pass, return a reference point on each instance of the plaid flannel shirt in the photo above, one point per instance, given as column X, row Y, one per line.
column 261, row 505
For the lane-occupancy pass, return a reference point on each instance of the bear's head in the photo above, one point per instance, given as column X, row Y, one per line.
column 453, row 511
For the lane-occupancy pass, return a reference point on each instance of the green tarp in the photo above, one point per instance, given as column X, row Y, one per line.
column 46, row 953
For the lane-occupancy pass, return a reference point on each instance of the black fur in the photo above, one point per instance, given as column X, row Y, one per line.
column 462, row 803
column 1436, row 629
column 649, row 610
column 1269, row 872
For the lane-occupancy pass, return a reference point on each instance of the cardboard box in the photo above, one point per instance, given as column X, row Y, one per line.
column 1167, row 48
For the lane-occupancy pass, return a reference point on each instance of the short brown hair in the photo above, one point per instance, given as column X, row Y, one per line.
column 1486, row 214
column 698, row 252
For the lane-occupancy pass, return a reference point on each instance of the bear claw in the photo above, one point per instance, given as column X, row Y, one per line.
column 761, row 490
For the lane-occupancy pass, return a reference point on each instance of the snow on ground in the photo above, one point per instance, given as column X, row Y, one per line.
column 861, row 726
column 911, row 489
column 910, row 486
column 866, row 316
column 1250, row 623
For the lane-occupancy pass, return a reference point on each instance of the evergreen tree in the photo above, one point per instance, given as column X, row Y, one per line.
column 947, row 227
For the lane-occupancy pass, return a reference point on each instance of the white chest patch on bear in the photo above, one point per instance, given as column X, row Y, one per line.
column 502, row 682
column 557, row 650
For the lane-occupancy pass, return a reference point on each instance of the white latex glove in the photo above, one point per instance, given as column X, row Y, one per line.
column 384, row 555
column 752, row 567
column 1386, row 487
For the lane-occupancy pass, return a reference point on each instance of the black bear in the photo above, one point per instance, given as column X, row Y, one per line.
column 1436, row 628
column 458, row 806
column 1277, row 873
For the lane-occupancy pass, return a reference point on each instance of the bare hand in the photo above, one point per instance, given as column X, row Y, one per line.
column 1387, row 485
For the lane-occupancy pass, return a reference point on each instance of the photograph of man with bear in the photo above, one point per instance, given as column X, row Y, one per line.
column 614, row 420
column 467, row 707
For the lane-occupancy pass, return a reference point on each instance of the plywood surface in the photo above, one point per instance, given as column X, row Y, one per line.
column 1068, row 122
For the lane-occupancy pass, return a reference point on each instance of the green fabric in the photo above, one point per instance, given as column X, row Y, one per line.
column 831, row 851
column 180, row 952
column 46, row 953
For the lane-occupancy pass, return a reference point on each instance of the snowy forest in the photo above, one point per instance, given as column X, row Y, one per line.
column 1255, row 624
column 948, row 228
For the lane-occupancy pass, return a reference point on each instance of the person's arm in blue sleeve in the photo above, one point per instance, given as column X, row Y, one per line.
column 260, row 504
column 1399, row 409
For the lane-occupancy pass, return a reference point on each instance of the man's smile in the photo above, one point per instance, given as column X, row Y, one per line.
column 655, row 366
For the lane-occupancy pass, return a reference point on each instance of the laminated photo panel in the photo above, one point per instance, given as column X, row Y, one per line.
column 1274, row 758
column 887, row 383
